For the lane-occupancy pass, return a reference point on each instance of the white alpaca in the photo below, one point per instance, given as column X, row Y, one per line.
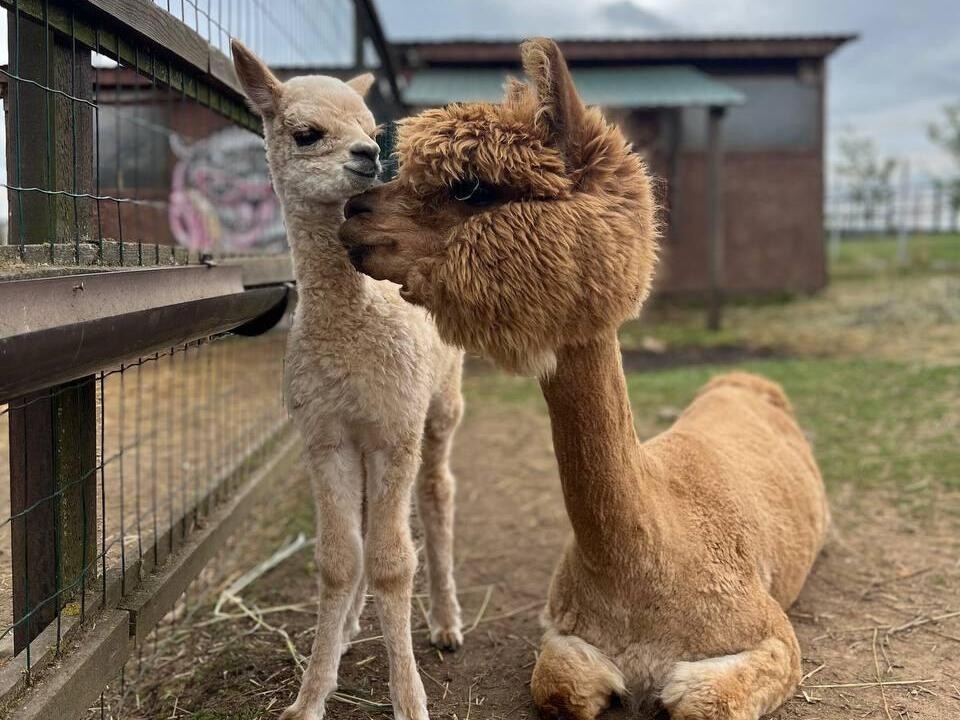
column 370, row 385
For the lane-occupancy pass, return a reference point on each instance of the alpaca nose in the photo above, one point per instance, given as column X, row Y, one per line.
column 357, row 205
column 365, row 151
column 364, row 159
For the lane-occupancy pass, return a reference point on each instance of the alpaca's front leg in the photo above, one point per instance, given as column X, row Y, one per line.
column 337, row 476
column 743, row 686
column 391, row 561
column 573, row 680
column 435, row 491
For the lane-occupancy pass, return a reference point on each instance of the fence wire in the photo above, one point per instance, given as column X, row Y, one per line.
column 174, row 436
column 915, row 207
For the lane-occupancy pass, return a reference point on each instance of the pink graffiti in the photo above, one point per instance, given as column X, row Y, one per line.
column 221, row 199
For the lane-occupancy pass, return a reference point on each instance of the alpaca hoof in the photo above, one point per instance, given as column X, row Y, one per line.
column 296, row 713
column 446, row 638
column 411, row 709
column 693, row 694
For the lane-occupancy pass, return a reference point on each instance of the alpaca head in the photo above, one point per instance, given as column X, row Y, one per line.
column 522, row 227
column 318, row 132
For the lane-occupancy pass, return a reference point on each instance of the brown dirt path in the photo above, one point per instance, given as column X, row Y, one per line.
column 888, row 568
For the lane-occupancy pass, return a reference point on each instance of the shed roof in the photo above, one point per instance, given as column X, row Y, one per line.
column 624, row 50
column 623, row 86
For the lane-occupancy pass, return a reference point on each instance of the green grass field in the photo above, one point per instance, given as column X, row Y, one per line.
column 871, row 423
column 865, row 257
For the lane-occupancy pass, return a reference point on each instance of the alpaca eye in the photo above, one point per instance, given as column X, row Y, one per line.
column 473, row 192
column 304, row 138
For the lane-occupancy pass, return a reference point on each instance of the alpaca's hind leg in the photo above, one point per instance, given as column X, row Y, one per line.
column 572, row 679
column 351, row 628
column 390, row 560
column 352, row 625
column 744, row 686
column 337, row 475
column 435, row 491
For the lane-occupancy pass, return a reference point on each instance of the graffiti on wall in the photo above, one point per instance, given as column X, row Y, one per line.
column 221, row 200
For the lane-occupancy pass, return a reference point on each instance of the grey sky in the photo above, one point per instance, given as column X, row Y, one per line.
column 888, row 85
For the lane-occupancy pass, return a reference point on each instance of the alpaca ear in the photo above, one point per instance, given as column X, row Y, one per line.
column 362, row 83
column 260, row 85
column 515, row 91
column 559, row 108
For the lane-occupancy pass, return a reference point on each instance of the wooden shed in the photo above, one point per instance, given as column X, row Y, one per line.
column 755, row 105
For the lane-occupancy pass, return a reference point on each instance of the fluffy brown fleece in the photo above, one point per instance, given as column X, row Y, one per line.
column 527, row 230
column 530, row 249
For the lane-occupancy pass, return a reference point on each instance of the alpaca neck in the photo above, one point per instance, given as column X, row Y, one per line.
column 600, row 458
column 326, row 281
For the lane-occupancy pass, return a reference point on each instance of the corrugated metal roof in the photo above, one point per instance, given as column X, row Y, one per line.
column 662, row 86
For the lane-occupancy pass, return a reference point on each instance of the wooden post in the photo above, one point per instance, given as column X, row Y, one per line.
column 53, row 501
column 673, row 187
column 936, row 224
column 903, row 232
column 715, row 217
column 49, row 135
column 52, row 432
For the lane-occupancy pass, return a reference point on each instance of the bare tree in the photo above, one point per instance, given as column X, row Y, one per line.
column 946, row 134
column 868, row 176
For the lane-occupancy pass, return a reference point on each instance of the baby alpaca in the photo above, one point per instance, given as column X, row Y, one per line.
column 372, row 388
column 527, row 229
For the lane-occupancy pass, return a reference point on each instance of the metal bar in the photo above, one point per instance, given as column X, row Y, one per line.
column 373, row 29
column 42, row 303
column 265, row 270
column 38, row 359
column 359, row 36
column 715, row 217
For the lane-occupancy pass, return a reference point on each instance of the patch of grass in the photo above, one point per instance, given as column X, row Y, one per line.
column 871, row 423
column 868, row 256
column 894, row 317
column 679, row 327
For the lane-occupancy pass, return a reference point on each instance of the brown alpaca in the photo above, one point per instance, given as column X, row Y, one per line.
column 527, row 230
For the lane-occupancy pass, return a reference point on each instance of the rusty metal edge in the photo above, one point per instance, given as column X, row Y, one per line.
column 36, row 360
column 262, row 269
column 32, row 304
column 101, row 653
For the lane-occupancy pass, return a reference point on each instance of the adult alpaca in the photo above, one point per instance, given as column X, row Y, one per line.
column 527, row 230
column 370, row 385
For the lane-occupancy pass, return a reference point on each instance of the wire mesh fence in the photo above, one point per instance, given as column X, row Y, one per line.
column 914, row 207
column 174, row 432
column 140, row 399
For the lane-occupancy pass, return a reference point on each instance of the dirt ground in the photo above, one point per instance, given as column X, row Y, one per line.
column 882, row 605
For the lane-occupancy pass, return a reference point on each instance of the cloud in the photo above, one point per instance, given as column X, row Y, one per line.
column 629, row 18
